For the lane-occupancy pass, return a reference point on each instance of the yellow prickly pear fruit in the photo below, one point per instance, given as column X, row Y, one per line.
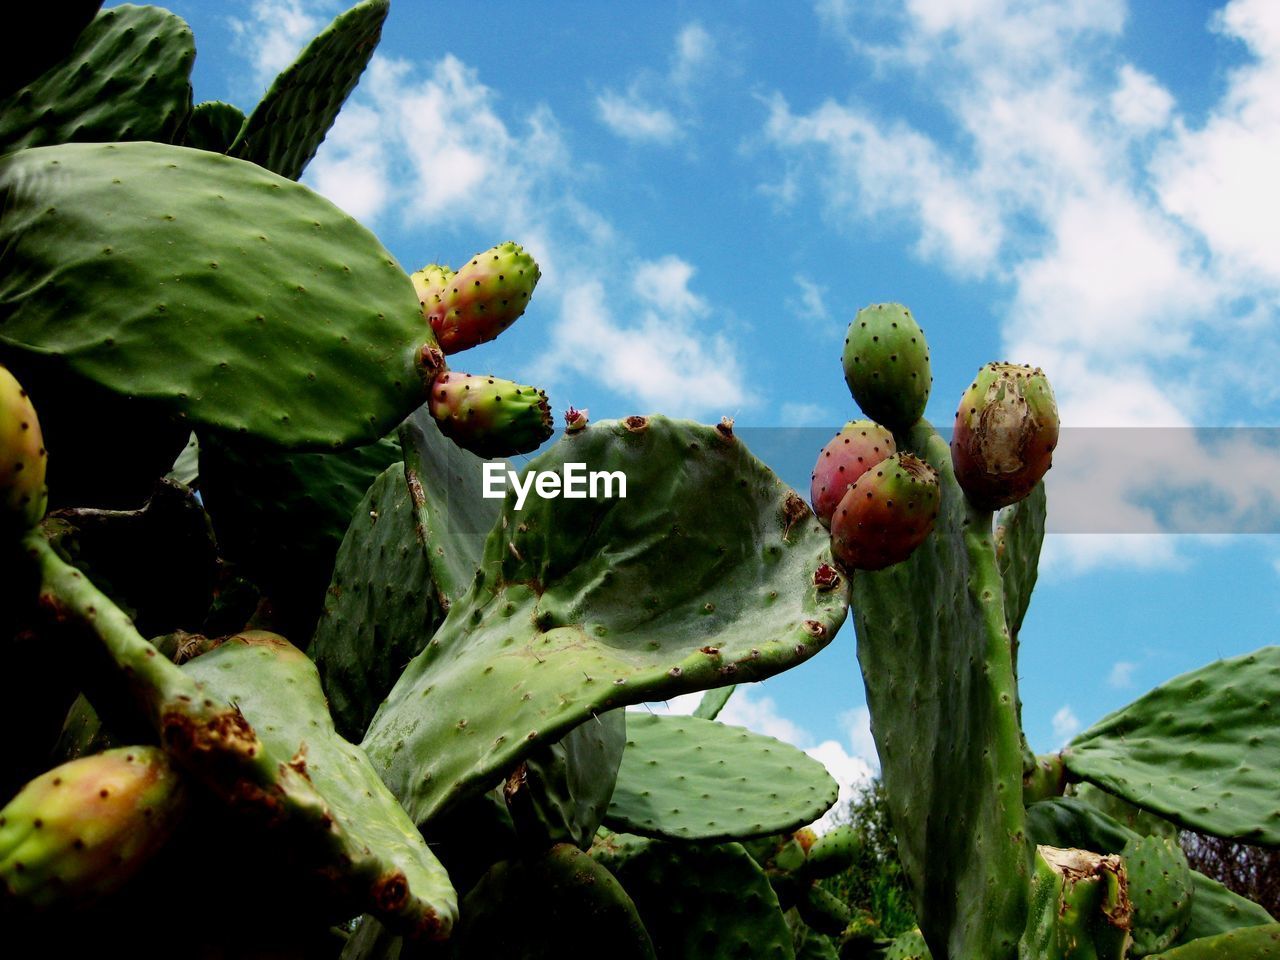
column 23, row 494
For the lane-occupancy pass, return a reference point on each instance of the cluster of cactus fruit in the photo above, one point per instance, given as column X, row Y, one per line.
column 439, row 760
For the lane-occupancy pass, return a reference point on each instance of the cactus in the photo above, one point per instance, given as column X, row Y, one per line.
column 1160, row 891
column 488, row 416
column 213, row 126
column 858, row 447
column 886, row 365
column 128, row 77
column 481, row 300
column 1005, row 434
column 1079, row 907
column 83, row 829
column 23, row 494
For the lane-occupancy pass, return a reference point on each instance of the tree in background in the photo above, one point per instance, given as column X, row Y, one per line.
column 1252, row 872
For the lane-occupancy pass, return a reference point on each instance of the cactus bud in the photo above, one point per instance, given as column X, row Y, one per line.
column 488, row 416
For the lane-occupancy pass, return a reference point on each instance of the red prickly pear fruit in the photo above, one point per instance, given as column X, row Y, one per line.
column 83, row 829
column 488, row 416
column 885, row 515
column 481, row 300
column 1005, row 434
column 23, row 494
column 886, row 365
column 858, row 447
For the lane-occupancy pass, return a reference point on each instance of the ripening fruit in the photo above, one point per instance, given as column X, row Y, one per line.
column 886, row 365
column 23, row 494
column 885, row 515
column 859, row 446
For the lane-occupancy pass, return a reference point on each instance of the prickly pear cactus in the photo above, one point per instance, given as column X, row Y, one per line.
column 568, row 617
column 1160, row 890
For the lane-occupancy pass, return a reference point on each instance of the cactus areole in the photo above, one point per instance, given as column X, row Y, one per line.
column 1005, row 434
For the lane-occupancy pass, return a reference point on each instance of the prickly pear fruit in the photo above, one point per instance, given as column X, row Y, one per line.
column 886, row 364
column 823, row 911
column 1006, row 431
column 1160, row 890
column 481, row 300
column 856, row 448
column 23, row 495
column 833, row 852
column 83, row 829
column 488, row 416
column 886, row 514
column 806, row 837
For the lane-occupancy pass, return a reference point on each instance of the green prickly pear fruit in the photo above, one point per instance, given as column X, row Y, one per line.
column 859, row 446
column 481, row 300
column 1006, row 431
column 83, row 829
column 833, row 852
column 886, row 514
column 1160, row 890
column 23, row 494
column 823, row 911
column 1079, row 907
column 488, row 416
column 886, row 364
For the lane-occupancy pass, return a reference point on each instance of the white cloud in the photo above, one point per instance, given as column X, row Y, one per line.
column 1136, row 253
column 629, row 116
column 658, row 107
column 1065, row 724
column 794, row 414
column 1121, row 674
column 274, row 34
column 428, row 144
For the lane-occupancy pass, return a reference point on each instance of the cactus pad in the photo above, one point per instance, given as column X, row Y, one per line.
column 1201, row 750
column 683, row 778
column 409, row 885
column 284, row 131
column 705, row 902
column 221, row 293
column 549, row 907
column 213, row 126
column 935, row 657
column 703, row 575
column 1160, row 890
column 127, row 78
column 1250, row 943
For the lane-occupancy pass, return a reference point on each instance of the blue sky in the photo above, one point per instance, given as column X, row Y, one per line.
column 713, row 189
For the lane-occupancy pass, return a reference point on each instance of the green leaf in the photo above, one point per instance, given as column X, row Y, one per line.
column 1201, row 750
column 684, row 778
column 128, row 77
column 221, row 294
column 936, row 660
column 287, row 127
column 703, row 575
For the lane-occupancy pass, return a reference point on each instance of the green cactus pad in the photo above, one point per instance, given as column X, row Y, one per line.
column 823, row 910
column 287, row 127
column 705, row 902
column 27, row 53
column 281, row 517
column 817, row 947
column 213, row 126
column 1143, row 822
column 1160, row 890
column 548, row 907
column 1067, row 821
column 128, row 77
column 278, row 691
column 410, row 551
column 1201, row 750
column 833, row 852
column 713, row 702
column 908, row 946
column 684, row 778
column 1250, row 943
column 935, row 657
column 886, row 365
column 559, row 793
column 221, row 293
column 1019, row 534
column 703, row 575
